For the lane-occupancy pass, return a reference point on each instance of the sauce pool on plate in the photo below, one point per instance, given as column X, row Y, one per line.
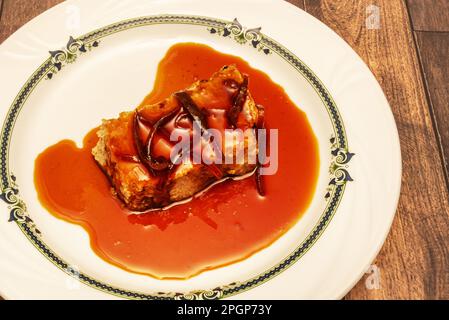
column 227, row 224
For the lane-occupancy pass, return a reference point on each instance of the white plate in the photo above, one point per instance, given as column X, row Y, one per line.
column 322, row 256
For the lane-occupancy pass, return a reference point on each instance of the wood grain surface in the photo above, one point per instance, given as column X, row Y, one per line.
column 433, row 50
column 414, row 262
column 429, row 15
column 16, row 13
column 298, row 3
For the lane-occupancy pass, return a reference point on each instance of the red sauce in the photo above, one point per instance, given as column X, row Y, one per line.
column 227, row 224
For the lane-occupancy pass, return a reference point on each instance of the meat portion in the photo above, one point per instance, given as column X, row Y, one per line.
column 134, row 150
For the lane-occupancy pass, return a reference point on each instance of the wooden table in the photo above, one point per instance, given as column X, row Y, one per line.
column 409, row 56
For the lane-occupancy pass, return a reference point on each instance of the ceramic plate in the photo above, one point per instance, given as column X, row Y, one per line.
column 70, row 67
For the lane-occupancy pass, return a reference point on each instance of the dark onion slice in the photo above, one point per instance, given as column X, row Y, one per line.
column 144, row 151
column 259, row 183
column 179, row 118
column 160, row 186
column 136, row 135
column 158, row 164
column 238, row 102
column 260, row 117
column 215, row 170
column 260, row 125
column 188, row 104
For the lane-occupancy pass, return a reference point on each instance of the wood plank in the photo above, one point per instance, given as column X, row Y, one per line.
column 433, row 48
column 429, row 15
column 16, row 13
column 298, row 3
column 413, row 262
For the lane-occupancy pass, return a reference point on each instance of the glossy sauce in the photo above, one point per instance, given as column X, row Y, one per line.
column 226, row 224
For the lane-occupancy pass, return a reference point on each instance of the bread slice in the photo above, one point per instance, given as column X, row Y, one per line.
column 223, row 102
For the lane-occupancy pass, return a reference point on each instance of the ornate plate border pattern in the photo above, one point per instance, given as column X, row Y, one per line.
column 339, row 175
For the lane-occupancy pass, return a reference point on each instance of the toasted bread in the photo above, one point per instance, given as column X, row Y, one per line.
column 223, row 102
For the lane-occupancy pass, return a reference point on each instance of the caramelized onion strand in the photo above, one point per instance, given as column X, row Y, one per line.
column 144, row 151
column 187, row 103
column 239, row 101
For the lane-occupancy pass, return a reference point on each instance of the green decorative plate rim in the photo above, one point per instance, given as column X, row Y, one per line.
column 339, row 175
